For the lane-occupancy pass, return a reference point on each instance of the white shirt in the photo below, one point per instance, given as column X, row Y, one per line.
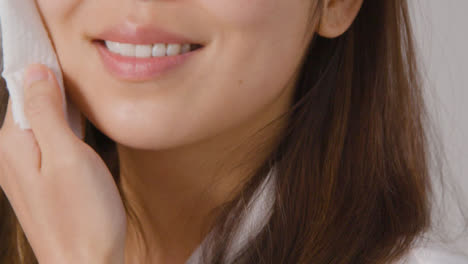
column 260, row 211
column 434, row 255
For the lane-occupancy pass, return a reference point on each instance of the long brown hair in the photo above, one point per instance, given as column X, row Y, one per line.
column 353, row 180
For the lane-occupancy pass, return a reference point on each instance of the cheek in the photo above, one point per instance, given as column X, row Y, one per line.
column 260, row 49
column 241, row 12
column 54, row 9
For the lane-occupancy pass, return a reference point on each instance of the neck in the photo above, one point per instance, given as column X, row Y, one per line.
column 174, row 191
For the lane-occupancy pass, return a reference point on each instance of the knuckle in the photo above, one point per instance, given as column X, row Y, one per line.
column 66, row 162
column 62, row 165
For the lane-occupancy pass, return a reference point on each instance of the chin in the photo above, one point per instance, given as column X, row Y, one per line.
column 138, row 134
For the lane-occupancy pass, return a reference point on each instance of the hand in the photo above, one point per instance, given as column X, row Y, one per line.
column 60, row 189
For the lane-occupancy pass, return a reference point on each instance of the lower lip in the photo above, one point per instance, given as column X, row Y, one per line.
column 139, row 69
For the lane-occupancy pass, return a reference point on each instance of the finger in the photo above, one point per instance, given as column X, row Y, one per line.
column 44, row 108
column 20, row 157
column 8, row 120
column 18, row 147
column 15, row 136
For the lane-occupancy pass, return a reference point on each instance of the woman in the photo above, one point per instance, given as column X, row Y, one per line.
column 314, row 105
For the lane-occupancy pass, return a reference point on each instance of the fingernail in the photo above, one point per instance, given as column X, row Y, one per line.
column 36, row 73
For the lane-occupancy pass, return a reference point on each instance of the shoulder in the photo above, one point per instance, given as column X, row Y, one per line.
column 432, row 255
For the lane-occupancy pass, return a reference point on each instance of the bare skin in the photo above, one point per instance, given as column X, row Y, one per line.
column 174, row 132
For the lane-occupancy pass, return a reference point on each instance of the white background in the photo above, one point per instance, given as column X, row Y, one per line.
column 441, row 28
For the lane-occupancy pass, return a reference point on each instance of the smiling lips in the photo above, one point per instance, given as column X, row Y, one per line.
column 141, row 53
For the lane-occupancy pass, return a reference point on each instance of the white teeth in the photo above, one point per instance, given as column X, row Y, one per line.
column 113, row 46
column 159, row 50
column 127, row 49
column 185, row 48
column 143, row 51
column 173, row 49
column 147, row 51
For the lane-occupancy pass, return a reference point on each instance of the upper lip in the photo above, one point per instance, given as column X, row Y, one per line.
column 147, row 34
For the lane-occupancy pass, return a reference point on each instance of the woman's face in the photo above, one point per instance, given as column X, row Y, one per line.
column 251, row 49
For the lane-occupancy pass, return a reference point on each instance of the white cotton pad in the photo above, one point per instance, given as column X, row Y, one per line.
column 24, row 41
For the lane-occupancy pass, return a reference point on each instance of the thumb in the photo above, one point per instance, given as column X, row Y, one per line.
column 44, row 109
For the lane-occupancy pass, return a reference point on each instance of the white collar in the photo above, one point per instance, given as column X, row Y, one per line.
column 260, row 212
column 257, row 215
